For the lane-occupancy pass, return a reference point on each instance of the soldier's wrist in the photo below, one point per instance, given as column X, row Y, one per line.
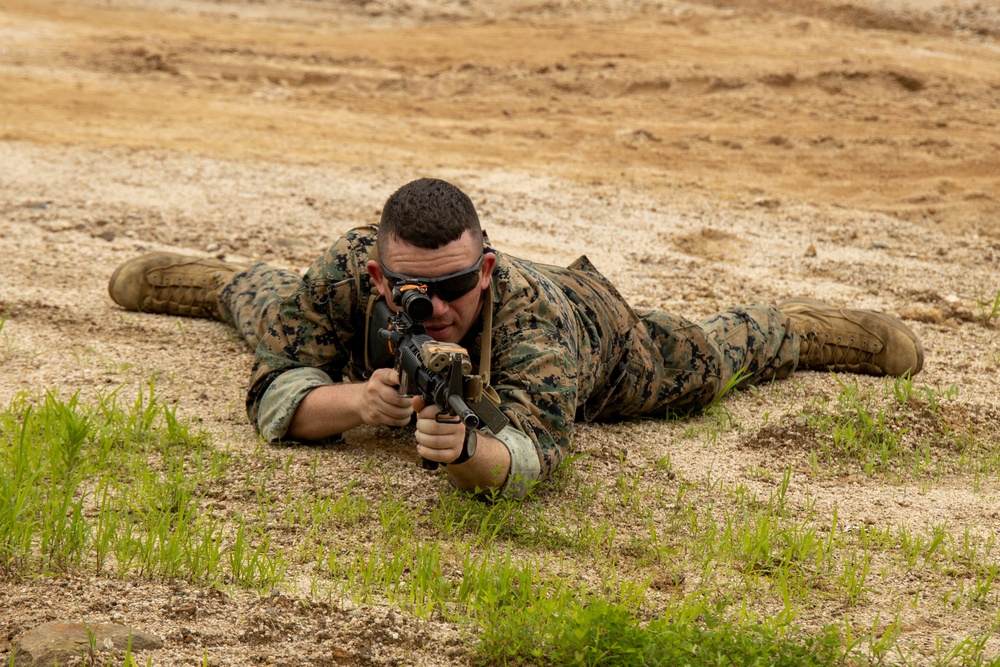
column 468, row 447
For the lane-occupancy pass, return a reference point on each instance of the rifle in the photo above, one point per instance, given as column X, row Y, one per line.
column 439, row 372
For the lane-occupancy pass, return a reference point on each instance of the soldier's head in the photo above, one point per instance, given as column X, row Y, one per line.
column 430, row 233
column 428, row 213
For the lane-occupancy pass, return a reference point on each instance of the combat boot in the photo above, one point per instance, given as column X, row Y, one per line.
column 852, row 341
column 166, row 282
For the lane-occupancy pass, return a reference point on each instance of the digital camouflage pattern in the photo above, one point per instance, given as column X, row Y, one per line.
column 565, row 344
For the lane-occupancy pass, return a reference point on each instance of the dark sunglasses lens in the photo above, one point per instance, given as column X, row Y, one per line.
column 456, row 286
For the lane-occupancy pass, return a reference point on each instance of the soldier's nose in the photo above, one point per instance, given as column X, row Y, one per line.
column 440, row 305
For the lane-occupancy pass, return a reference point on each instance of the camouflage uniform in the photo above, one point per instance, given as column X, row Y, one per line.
column 565, row 346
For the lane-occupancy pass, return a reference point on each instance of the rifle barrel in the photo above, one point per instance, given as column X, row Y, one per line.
column 464, row 412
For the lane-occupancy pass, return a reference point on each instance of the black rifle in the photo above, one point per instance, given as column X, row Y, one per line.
column 434, row 370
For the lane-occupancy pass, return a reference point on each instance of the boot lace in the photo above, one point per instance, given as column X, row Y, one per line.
column 185, row 295
column 836, row 350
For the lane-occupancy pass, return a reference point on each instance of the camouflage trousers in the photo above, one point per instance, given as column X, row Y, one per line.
column 673, row 365
column 669, row 364
column 252, row 297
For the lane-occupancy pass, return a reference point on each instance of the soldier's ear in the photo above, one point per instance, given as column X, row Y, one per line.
column 375, row 272
column 486, row 270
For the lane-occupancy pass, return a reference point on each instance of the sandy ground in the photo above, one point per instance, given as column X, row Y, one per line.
column 702, row 154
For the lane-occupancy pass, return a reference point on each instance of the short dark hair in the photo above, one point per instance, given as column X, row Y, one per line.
column 428, row 213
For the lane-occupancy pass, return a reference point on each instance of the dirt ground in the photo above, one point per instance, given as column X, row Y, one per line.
column 702, row 154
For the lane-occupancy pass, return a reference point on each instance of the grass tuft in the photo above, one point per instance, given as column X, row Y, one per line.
column 116, row 489
column 598, row 632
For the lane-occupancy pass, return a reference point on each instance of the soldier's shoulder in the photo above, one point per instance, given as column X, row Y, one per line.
column 364, row 234
column 526, row 284
column 346, row 255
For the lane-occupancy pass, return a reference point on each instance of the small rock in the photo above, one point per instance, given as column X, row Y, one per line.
column 185, row 611
column 964, row 315
column 61, row 641
column 921, row 312
column 637, row 136
column 811, row 251
column 953, row 301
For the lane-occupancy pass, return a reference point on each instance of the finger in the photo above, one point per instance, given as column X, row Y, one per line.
column 437, row 443
column 438, row 455
column 387, row 393
column 440, row 434
column 386, row 420
column 396, row 412
column 432, row 427
column 386, row 416
column 390, row 396
column 386, row 376
column 442, row 448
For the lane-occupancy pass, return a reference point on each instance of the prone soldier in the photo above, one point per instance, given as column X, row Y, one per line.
column 550, row 345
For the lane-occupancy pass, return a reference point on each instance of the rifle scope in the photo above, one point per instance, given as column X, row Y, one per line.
column 412, row 298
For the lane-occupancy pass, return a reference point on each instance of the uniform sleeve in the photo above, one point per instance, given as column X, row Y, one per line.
column 535, row 364
column 308, row 343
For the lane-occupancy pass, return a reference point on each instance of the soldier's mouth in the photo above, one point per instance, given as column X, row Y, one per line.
column 439, row 332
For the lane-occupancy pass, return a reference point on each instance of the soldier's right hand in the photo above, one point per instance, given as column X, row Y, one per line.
column 381, row 404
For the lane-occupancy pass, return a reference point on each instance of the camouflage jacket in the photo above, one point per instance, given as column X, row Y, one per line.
column 560, row 338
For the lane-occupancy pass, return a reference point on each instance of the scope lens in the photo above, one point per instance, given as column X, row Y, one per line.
column 417, row 305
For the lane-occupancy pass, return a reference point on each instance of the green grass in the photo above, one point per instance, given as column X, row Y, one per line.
column 989, row 307
column 117, row 489
column 598, row 632
column 632, row 565
column 898, row 431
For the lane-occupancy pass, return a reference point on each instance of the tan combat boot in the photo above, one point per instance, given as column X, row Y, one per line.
column 852, row 341
column 165, row 282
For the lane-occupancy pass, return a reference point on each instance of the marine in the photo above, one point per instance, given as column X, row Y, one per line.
column 551, row 345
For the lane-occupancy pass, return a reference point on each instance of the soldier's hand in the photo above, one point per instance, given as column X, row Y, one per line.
column 437, row 441
column 381, row 404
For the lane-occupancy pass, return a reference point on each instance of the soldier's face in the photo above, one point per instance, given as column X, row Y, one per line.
column 453, row 319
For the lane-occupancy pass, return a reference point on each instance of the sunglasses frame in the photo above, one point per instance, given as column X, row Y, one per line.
column 434, row 285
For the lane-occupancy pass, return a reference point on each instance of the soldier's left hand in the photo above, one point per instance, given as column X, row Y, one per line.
column 437, row 441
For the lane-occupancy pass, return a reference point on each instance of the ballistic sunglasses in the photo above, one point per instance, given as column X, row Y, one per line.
column 449, row 287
